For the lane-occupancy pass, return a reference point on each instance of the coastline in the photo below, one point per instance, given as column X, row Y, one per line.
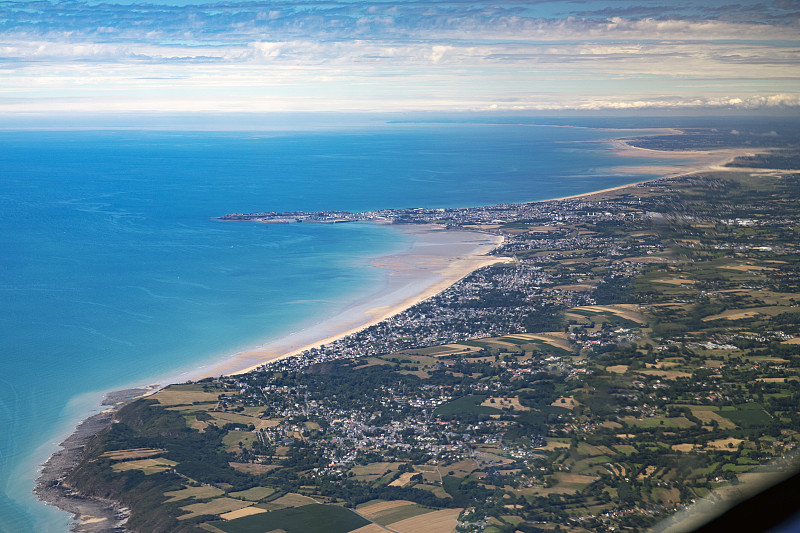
column 435, row 261
column 698, row 161
column 91, row 515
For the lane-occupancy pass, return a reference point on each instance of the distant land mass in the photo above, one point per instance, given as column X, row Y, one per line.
column 636, row 351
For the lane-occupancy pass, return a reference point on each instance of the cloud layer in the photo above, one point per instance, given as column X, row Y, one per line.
column 375, row 56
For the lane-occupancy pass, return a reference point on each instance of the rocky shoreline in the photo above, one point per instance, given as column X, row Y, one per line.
column 91, row 515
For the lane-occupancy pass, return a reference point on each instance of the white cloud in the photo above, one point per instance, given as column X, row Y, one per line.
column 420, row 55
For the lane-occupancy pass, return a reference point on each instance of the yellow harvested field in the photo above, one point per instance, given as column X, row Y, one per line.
column 544, row 229
column 645, row 259
column 707, row 415
column 370, row 528
column 501, row 343
column 733, row 314
column 199, row 425
column 556, row 339
column 499, row 402
column 264, row 424
column 627, row 311
column 254, row 494
column 675, row 281
column 294, row 500
column 554, row 445
column 215, row 507
column 745, row 268
column 668, row 305
column 617, row 469
column 578, row 287
column 233, row 418
column 567, row 402
column 666, row 374
column 591, row 450
column 483, row 226
column 461, row 468
column 736, row 314
column 437, row 491
column 246, row 511
column 723, row 444
column 796, row 340
column 617, row 369
column 683, row 447
column 373, row 509
column 453, row 349
column 374, row 469
column 133, row 453
column 773, row 380
column 403, row 480
column 443, row 521
column 253, row 468
column 148, row 466
column 647, row 472
column 170, row 396
column 199, row 493
column 574, row 479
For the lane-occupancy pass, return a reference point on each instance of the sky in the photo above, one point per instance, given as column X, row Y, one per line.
column 192, row 56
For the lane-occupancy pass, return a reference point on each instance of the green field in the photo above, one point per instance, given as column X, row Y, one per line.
column 746, row 415
column 255, row 494
column 314, row 518
column 466, row 405
column 399, row 513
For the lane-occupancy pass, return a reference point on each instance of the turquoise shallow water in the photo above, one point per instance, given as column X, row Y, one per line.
column 114, row 274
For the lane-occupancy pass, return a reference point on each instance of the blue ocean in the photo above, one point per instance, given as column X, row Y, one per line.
column 114, row 273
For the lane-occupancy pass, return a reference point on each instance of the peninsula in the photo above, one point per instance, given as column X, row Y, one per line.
column 637, row 351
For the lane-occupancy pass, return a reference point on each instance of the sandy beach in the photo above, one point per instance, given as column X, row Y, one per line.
column 437, row 259
column 687, row 162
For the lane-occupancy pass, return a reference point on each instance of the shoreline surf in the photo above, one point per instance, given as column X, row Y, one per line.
column 436, row 259
column 699, row 161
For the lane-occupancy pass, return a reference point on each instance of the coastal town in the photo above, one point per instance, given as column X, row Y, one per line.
column 637, row 354
column 377, row 266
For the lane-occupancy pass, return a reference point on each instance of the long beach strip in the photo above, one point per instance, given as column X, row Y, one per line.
column 437, row 259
